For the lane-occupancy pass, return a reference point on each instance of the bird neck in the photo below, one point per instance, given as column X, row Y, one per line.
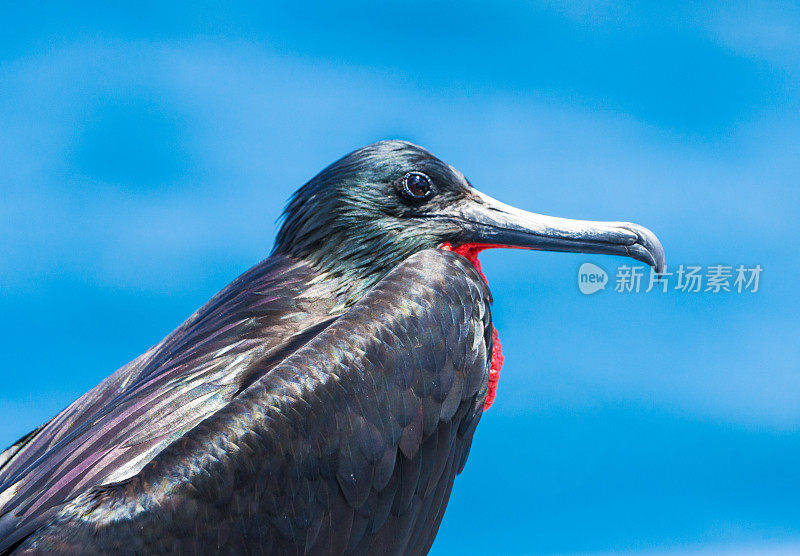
column 352, row 282
column 470, row 251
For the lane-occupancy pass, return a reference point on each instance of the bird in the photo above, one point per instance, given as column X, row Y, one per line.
column 321, row 403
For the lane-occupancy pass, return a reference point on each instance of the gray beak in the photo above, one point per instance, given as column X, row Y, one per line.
column 486, row 221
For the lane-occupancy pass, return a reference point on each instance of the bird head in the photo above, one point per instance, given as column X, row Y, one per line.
column 368, row 211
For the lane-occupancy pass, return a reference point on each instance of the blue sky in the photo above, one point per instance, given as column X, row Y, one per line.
column 146, row 152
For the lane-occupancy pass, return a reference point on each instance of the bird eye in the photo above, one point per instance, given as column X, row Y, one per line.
column 417, row 186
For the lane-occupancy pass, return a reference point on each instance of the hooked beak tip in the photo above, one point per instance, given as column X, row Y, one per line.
column 647, row 248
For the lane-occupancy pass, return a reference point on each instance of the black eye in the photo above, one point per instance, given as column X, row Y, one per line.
column 417, row 186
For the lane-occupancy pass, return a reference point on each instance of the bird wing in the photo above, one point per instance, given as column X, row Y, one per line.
column 113, row 430
column 351, row 443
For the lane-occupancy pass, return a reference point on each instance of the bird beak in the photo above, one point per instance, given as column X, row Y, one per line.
column 490, row 223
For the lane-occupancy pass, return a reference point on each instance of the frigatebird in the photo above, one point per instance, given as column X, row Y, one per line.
column 323, row 402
